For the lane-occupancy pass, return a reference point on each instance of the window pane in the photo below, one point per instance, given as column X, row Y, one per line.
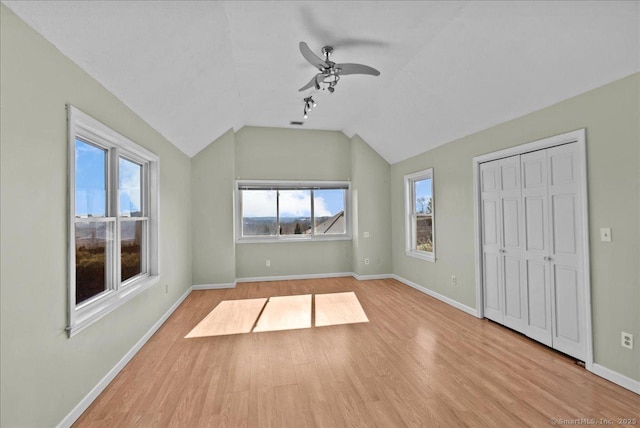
column 295, row 212
column 424, row 233
column 129, row 186
column 92, row 246
column 259, row 212
column 424, row 201
column 91, row 180
column 328, row 209
column 131, row 239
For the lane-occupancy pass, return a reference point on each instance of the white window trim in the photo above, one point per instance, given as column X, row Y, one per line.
column 291, row 238
column 409, row 179
column 84, row 126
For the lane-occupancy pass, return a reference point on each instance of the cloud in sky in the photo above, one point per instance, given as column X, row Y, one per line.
column 130, row 186
column 293, row 203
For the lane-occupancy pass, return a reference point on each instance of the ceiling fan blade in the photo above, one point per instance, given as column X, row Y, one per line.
column 313, row 82
column 357, row 69
column 314, row 59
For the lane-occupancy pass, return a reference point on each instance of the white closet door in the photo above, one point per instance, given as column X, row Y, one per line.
column 490, row 197
column 536, row 246
column 566, row 241
column 512, row 228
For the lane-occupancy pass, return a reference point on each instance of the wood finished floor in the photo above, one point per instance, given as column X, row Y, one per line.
column 417, row 362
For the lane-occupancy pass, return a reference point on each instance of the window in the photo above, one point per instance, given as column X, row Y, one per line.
column 113, row 230
column 286, row 211
column 420, row 215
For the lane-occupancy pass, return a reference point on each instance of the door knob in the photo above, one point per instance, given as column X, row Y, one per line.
column 547, row 258
column 503, row 251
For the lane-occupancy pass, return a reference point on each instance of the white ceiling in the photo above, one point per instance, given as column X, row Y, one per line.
column 194, row 69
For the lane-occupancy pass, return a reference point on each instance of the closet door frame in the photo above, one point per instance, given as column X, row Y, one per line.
column 578, row 137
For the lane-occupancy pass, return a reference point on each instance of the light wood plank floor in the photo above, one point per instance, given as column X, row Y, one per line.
column 417, row 362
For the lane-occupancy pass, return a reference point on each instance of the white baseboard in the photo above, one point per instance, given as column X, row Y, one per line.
column 367, row 277
column 105, row 381
column 445, row 299
column 289, row 277
column 617, row 378
column 214, row 286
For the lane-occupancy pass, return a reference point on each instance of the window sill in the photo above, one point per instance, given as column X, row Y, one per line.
column 85, row 316
column 283, row 240
column 430, row 257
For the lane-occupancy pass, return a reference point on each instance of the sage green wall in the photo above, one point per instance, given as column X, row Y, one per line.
column 610, row 115
column 212, row 186
column 291, row 154
column 370, row 192
column 44, row 374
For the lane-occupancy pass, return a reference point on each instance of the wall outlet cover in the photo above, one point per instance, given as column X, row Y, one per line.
column 627, row 340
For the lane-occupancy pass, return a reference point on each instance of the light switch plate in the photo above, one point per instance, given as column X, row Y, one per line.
column 366, row 234
column 605, row 234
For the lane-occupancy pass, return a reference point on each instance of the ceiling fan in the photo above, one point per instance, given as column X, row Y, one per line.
column 330, row 72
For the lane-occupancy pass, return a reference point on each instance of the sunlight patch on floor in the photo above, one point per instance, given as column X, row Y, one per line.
column 285, row 313
column 338, row 308
column 279, row 313
column 229, row 317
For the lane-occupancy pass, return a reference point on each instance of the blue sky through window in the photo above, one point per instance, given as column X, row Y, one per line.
column 293, row 203
column 130, row 177
column 423, row 194
column 91, row 189
column 91, row 182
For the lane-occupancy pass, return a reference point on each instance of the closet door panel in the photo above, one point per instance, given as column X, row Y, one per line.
column 491, row 240
column 511, row 222
column 513, row 293
column 491, row 288
column 490, row 223
column 566, row 303
column 535, row 213
column 512, row 243
column 538, row 300
column 536, row 246
column 569, row 326
column 564, row 225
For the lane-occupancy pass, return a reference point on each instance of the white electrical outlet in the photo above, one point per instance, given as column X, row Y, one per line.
column 268, row 263
column 366, row 234
column 454, row 280
column 627, row 340
column 366, row 261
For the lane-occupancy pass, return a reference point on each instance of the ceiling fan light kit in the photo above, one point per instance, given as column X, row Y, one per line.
column 309, row 103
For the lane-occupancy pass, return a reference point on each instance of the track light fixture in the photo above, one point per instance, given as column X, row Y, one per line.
column 309, row 103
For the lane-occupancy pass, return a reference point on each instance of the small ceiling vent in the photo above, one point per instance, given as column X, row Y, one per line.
column 296, row 123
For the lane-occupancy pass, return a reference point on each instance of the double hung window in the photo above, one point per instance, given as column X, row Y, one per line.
column 113, row 231
column 276, row 211
column 420, row 215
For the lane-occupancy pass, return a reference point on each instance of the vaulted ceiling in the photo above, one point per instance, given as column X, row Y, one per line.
column 194, row 69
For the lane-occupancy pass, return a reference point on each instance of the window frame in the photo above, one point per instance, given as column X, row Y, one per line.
column 83, row 127
column 411, row 215
column 291, row 185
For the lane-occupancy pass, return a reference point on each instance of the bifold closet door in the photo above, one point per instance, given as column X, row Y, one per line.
column 553, row 245
column 566, row 245
column 511, row 251
column 536, row 249
column 502, row 242
column 491, row 240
